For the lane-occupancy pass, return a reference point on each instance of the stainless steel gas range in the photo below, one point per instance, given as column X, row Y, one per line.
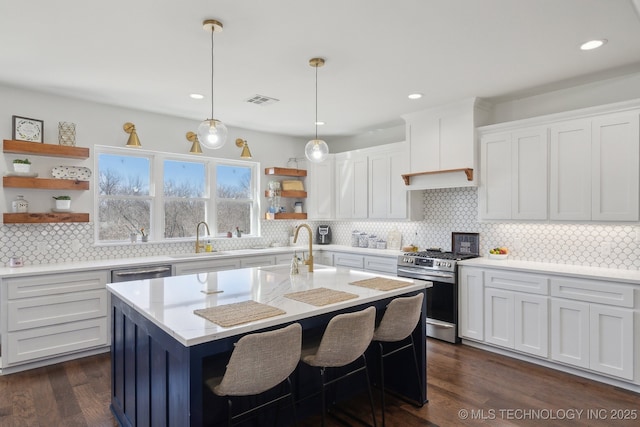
column 442, row 299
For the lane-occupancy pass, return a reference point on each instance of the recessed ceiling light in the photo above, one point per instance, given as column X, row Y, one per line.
column 319, row 123
column 196, row 96
column 592, row 44
column 415, row 96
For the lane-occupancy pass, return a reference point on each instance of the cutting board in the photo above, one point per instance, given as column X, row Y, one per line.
column 394, row 239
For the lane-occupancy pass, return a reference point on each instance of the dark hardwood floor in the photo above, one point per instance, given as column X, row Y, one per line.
column 466, row 386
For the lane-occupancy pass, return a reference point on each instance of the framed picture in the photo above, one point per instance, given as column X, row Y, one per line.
column 465, row 243
column 26, row 129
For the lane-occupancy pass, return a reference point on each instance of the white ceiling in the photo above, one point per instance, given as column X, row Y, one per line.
column 151, row 55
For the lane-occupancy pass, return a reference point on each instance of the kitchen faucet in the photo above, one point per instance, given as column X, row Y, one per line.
column 308, row 261
column 200, row 246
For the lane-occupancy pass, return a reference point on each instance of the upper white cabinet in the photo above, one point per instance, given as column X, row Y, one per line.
column 443, row 139
column 580, row 166
column 351, row 185
column 387, row 192
column 514, row 175
column 320, row 184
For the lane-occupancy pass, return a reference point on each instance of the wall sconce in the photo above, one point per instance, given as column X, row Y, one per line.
column 195, row 146
column 133, row 141
column 246, row 154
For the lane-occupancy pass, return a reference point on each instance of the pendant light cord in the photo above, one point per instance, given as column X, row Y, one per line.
column 212, row 31
column 316, row 122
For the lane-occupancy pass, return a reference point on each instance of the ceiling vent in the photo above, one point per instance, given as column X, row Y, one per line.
column 262, row 100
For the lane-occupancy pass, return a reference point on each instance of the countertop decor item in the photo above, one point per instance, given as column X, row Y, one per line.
column 20, row 205
column 465, row 243
column 316, row 150
column 67, row 133
column 394, row 239
column 79, row 173
column 63, row 203
column 212, row 133
column 25, row 129
column 22, row 166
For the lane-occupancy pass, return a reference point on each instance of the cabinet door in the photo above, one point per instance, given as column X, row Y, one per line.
column 398, row 198
column 570, row 171
column 615, row 167
column 424, row 137
column 348, row 260
column 320, row 201
column 386, row 265
column 494, row 201
column 206, row 266
column 498, row 317
column 471, row 303
column 570, row 332
column 360, row 187
column 612, row 340
column 379, row 185
column 257, row 261
column 531, row 315
column 529, row 154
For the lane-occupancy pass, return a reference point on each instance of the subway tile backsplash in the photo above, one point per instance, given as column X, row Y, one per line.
column 445, row 211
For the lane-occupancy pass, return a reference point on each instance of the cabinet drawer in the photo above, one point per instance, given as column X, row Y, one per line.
column 52, row 341
column 381, row 264
column 28, row 313
column 52, row 284
column 206, row 266
column 519, row 282
column 592, row 291
column 346, row 260
column 257, row 261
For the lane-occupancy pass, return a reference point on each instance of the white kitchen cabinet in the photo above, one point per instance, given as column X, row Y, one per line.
column 386, row 265
column 203, row 266
column 323, row 257
column 595, row 168
column 341, row 259
column 53, row 315
column 320, row 188
column 257, row 261
column 387, row 192
column 498, row 317
column 351, row 185
column 513, row 182
column 592, row 324
column 471, row 303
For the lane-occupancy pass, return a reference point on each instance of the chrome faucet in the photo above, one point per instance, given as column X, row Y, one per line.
column 200, row 246
column 308, row 261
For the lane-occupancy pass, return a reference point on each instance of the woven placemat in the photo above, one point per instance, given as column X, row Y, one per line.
column 238, row 313
column 320, row 296
column 381, row 284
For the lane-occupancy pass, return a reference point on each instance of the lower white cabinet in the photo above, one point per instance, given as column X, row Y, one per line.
column 323, row 257
column 341, row 259
column 193, row 267
column 257, row 261
column 579, row 322
column 384, row 265
column 53, row 315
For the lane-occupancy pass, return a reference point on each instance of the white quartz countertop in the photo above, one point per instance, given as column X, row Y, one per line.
column 169, row 302
column 629, row 276
column 109, row 264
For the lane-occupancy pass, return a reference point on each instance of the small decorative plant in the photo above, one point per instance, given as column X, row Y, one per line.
column 21, row 165
column 63, row 202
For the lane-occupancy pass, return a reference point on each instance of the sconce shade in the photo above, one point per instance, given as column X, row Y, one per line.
column 212, row 133
column 133, row 140
column 316, row 150
column 195, row 146
column 246, row 154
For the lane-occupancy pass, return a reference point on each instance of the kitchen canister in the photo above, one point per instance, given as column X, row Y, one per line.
column 381, row 244
column 363, row 240
column 20, row 205
column 355, row 239
column 372, row 241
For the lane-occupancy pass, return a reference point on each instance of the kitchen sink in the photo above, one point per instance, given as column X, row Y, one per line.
column 198, row 255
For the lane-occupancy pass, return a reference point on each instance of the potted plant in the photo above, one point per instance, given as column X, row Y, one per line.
column 21, row 166
column 63, row 202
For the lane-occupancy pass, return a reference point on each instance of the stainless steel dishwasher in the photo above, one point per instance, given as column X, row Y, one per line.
column 140, row 273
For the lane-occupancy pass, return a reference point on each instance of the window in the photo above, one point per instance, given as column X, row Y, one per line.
column 167, row 195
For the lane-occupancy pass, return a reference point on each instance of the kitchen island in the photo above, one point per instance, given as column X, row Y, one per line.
column 161, row 350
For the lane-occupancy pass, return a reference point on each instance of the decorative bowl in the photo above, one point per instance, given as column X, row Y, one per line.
column 498, row 256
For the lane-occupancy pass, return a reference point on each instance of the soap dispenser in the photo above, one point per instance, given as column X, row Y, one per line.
column 294, row 265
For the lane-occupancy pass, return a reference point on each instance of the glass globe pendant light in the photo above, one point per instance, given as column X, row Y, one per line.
column 212, row 133
column 316, row 150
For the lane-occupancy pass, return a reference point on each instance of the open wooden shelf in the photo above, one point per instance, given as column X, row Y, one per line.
column 290, row 215
column 468, row 171
column 43, row 217
column 286, row 193
column 285, row 172
column 38, row 149
column 44, row 183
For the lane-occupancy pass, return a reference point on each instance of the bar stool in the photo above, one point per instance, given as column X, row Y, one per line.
column 397, row 324
column 260, row 362
column 345, row 339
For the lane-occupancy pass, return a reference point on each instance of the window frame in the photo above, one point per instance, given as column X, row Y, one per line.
column 156, row 192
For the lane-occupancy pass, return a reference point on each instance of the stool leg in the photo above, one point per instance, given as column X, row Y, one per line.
column 293, row 402
column 382, row 382
column 322, row 377
column 415, row 359
column 366, row 372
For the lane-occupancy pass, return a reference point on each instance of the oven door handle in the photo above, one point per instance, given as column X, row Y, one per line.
column 439, row 324
column 425, row 276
